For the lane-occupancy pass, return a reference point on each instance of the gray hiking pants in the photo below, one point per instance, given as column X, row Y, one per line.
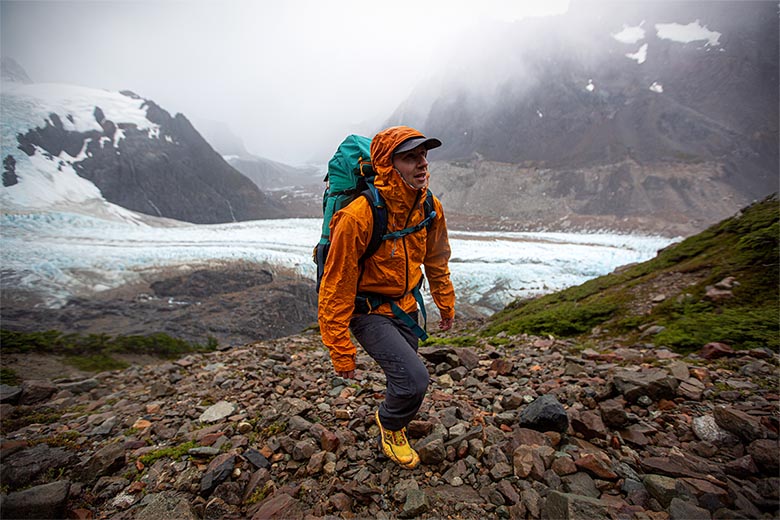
column 393, row 345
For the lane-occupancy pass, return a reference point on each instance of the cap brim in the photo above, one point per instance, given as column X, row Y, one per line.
column 414, row 142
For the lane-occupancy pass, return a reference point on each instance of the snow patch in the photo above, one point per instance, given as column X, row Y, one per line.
column 640, row 56
column 657, row 87
column 630, row 34
column 687, row 33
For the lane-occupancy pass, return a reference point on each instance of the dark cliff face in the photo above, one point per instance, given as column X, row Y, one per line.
column 174, row 174
column 718, row 105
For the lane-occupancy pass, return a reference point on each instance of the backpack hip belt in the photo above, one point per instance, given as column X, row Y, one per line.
column 367, row 302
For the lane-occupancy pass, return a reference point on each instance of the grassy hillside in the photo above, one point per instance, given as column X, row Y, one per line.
column 670, row 291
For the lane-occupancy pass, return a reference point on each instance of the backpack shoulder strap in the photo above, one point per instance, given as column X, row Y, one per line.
column 379, row 216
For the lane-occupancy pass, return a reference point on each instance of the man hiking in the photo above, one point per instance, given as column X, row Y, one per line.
column 377, row 297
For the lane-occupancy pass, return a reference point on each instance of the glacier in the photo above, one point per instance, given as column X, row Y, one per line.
column 60, row 255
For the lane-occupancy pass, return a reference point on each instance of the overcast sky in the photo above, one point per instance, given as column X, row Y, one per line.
column 289, row 77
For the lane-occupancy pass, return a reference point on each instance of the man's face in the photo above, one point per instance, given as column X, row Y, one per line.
column 413, row 166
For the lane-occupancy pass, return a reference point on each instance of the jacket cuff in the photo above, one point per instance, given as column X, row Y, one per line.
column 342, row 362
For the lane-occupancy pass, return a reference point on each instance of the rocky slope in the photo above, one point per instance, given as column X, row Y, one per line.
column 513, row 427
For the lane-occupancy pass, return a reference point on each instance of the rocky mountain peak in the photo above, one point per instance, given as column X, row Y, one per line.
column 12, row 72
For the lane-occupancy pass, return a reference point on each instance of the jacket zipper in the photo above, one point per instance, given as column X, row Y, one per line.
column 403, row 243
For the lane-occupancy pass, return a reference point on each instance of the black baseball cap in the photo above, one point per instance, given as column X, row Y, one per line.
column 414, row 142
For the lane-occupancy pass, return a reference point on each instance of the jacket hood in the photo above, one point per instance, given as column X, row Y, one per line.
column 388, row 181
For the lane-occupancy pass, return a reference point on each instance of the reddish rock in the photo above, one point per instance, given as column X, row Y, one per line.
column 563, row 466
column 502, row 366
column 587, row 423
column 280, row 506
column 419, row 429
column 716, row 350
column 710, row 496
column 739, row 423
column 527, row 462
column 597, row 464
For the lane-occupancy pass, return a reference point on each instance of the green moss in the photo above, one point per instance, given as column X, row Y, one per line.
column 66, row 439
column 745, row 247
column 24, row 416
column 9, row 377
column 274, row 428
column 54, row 342
column 171, row 452
column 95, row 363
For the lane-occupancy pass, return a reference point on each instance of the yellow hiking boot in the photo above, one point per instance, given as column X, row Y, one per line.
column 396, row 446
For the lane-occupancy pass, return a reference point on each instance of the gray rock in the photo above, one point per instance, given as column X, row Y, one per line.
column 218, row 470
column 431, row 449
column 106, row 460
column 417, row 503
column 655, row 383
column 684, row 510
column 217, row 412
column 23, row 467
column 580, row 483
column 166, row 505
column 739, row 423
column 45, row 501
column 707, row 429
column 545, row 414
column 661, row 488
column 36, row 390
column 766, row 454
column 567, row 506
column 9, row 394
column 79, row 387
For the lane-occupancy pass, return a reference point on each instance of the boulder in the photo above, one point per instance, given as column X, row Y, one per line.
column 545, row 414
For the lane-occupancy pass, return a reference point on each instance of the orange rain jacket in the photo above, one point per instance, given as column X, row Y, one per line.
column 395, row 269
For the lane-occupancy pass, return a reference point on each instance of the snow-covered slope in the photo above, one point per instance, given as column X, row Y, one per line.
column 64, row 146
column 42, row 181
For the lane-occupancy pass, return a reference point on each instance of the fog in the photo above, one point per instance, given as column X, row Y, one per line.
column 290, row 78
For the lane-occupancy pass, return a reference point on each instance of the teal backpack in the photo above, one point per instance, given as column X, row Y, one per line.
column 350, row 175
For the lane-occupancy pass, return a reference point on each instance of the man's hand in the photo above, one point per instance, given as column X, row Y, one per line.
column 445, row 324
column 350, row 374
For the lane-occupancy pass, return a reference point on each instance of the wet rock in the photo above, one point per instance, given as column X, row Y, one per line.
column 574, row 507
column 44, row 501
column 545, row 413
